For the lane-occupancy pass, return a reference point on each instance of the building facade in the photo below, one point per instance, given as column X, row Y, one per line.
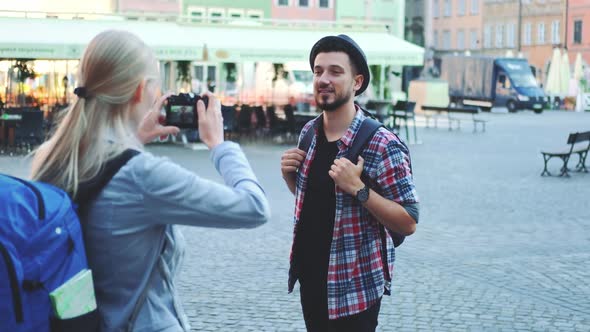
column 528, row 28
column 166, row 7
column 542, row 30
column 313, row 10
column 500, row 27
column 414, row 22
column 218, row 11
column 456, row 25
column 60, row 7
column 390, row 13
column 578, row 29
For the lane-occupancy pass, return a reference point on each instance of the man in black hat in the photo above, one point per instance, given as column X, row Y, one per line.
column 341, row 254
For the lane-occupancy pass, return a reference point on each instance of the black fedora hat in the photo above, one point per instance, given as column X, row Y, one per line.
column 343, row 43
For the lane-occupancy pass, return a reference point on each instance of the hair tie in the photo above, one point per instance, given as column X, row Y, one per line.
column 80, row 92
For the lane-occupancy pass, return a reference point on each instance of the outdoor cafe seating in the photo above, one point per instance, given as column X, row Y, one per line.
column 395, row 116
column 21, row 129
column 253, row 123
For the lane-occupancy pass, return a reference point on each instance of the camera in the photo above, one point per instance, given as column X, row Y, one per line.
column 181, row 110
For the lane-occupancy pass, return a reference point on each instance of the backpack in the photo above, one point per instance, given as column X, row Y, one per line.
column 42, row 247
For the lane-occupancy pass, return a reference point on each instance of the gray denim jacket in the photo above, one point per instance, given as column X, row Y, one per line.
column 130, row 230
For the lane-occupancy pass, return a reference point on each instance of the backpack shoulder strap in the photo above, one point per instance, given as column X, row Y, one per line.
column 305, row 141
column 89, row 190
column 367, row 130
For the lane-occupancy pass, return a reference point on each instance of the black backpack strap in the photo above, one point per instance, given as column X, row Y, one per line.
column 305, row 141
column 367, row 130
column 89, row 190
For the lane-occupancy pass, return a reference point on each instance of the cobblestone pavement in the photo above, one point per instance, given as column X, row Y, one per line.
column 498, row 247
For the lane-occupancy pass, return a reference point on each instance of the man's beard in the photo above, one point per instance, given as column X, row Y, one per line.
column 339, row 100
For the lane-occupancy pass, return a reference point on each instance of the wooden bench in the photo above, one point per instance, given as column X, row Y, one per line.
column 455, row 119
column 577, row 145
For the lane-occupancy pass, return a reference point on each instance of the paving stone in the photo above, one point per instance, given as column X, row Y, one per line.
column 498, row 247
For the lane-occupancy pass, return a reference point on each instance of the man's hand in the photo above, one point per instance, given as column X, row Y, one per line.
column 347, row 175
column 150, row 126
column 291, row 160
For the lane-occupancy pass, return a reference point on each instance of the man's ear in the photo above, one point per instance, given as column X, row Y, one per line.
column 358, row 82
column 138, row 94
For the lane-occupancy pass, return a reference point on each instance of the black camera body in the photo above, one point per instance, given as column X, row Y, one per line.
column 181, row 110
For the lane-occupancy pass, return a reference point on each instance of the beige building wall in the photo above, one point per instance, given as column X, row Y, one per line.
column 546, row 22
column 500, row 27
column 456, row 25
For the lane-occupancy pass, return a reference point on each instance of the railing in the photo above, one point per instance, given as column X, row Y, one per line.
column 346, row 25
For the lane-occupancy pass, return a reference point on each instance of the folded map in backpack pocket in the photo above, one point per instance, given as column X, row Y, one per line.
column 75, row 297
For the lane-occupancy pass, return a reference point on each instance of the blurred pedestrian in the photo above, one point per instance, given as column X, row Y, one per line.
column 337, row 254
column 133, row 246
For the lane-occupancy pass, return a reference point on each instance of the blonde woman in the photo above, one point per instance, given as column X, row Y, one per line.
column 133, row 248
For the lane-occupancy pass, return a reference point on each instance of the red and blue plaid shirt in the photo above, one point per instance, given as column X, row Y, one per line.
column 356, row 278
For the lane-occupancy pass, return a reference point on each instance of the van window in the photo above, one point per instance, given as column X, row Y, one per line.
column 503, row 81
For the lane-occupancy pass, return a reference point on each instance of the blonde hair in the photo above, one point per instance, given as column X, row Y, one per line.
column 98, row 127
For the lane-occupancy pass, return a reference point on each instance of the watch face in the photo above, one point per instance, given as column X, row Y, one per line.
column 363, row 194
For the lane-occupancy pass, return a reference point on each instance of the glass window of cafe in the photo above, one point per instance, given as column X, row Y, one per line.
column 37, row 83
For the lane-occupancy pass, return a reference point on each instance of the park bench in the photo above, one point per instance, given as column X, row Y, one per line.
column 576, row 144
column 452, row 118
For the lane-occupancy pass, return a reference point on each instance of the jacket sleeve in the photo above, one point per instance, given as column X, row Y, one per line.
column 178, row 196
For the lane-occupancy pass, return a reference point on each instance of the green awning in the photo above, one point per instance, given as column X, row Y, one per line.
column 66, row 39
column 280, row 45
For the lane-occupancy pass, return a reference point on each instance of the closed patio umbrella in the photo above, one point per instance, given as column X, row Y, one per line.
column 565, row 74
column 578, row 74
column 552, row 85
column 578, row 67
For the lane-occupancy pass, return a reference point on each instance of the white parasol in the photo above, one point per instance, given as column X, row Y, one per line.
column 552, row 85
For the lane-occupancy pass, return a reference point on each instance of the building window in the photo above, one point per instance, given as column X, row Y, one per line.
column 283, row 3
column 447, row 40
column 577, row 32
column 461, row 8
column 196, row 14
column 460, row 40
column 541, row 33
column 324, row 4
column 435, row 39
column 528, row 34
column 487, row 36
column 555, row 32
column 303, row 3
column 510, row 35
column 499, row 36
column 215, row 15
column 435, row 8
column 255, row 14
column 448, row 8
column 474, row 7
column 235, row 13
column 473, row 39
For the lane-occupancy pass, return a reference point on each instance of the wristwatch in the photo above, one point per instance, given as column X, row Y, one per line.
column 363, row 194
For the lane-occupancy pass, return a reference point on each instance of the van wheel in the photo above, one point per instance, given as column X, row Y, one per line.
column 511, row 105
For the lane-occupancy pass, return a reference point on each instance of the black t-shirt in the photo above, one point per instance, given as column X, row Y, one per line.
column 316, row 222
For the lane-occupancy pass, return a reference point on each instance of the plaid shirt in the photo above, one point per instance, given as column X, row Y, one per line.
column 355, row 273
